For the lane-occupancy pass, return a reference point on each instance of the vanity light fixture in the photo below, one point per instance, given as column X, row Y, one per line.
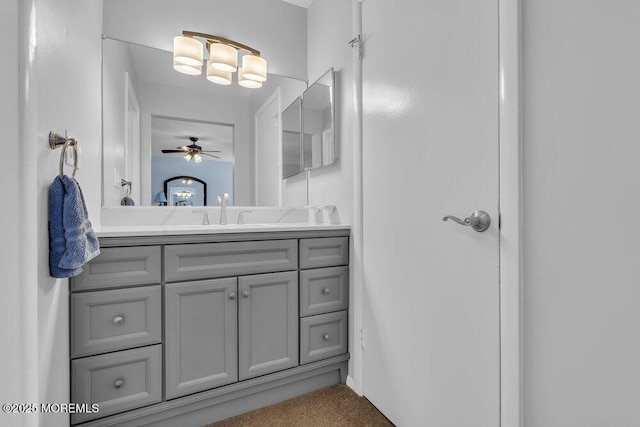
column 184, row 194
column 188, row 58
column 246, row 82
column 193, row 70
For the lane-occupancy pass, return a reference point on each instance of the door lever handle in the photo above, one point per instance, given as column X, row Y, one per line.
column 479, row 220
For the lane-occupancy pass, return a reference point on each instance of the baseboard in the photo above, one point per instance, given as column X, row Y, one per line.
column 210, row 406
column 351, row 383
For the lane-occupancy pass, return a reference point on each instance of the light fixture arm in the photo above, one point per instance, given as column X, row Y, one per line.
column 217, row 39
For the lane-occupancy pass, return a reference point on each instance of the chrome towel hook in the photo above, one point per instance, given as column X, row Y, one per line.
column 57, row 140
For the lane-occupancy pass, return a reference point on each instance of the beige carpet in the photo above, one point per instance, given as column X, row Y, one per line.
column 335, row 406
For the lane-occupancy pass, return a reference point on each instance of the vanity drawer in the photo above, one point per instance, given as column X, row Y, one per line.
column 117, row 382
column 324, row 252
column 323, row 336
column 323, row 290
column 209, row 260
column 104, row 321
column 120, row 267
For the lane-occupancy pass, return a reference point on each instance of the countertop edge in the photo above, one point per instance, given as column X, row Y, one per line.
column 171, row 230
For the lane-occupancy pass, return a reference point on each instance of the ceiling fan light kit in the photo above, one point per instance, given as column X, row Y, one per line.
column 188, row 58
column 192, row 151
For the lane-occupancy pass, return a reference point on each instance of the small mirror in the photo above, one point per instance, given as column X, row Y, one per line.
column 291, row 142
column 185, row 191
column 318, row 123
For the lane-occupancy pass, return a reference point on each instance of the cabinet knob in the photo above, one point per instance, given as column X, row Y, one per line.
column 325, row 337
column 245, row 294
column 118, row 320
column 118, row 383
column 326, row 291
column 232, row 296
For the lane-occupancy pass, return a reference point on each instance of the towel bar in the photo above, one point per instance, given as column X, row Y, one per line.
column 57, row 140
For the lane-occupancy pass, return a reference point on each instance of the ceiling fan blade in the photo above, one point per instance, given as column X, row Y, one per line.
column 173, row 151
column 210, row 151
column 210, row 155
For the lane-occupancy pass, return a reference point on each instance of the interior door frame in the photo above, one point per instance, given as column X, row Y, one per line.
column 274, row 97
column 510, row 207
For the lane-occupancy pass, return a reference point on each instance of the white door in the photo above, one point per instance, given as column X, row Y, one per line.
column 431, row 291
column 268, row 153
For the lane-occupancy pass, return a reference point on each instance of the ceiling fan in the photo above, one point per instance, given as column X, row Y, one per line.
column 193, row 151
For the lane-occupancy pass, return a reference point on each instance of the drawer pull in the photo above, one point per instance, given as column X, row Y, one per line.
column 232, row 296
column 245, row 294
column 118, row 320
column 118, row 383
column 326, row 291
column 325, row 337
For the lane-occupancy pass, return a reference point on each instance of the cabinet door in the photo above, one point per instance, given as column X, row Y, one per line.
column 268, row 323
column 200, row 336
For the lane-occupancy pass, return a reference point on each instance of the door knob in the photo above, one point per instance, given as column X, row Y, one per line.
column 479, row 220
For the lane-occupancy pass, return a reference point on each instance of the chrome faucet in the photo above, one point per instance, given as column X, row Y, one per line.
column 241, row 216
column 205, row 218
column 222, row 202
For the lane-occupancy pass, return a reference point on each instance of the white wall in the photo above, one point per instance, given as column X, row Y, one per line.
column 329, row 31
column 581, row 198
column 59, row 91
column 10, row 331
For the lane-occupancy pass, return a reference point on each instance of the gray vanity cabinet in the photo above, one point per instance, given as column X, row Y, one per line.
column 209, row 323
column 190, row 329
column 201, row 343
column 324, row 293
column 268, row 323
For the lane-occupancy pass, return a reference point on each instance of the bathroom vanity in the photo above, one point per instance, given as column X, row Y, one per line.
column 169, row 328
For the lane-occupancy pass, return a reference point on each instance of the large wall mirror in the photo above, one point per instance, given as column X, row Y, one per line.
column 150, row 112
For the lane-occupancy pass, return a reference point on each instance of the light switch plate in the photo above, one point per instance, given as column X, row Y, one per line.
column 116, row 178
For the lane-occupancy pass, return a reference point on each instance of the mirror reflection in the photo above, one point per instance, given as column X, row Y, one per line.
column 291, row 142
column 183, row 191
column 200, row 151
column 318, row 123
column 159, row 124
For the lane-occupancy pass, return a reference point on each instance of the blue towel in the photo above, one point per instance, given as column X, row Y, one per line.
column 72, row 242
column 57, row 244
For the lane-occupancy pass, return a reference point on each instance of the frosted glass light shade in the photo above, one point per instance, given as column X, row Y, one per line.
column 192, row 70
column 188, row 157
column 245, row 82
column 218, row 76
column 223, row 57
column 187, row 51
column 255, row 68
column 197, row 158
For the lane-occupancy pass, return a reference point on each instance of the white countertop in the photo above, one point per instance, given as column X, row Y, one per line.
column 172, row 230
